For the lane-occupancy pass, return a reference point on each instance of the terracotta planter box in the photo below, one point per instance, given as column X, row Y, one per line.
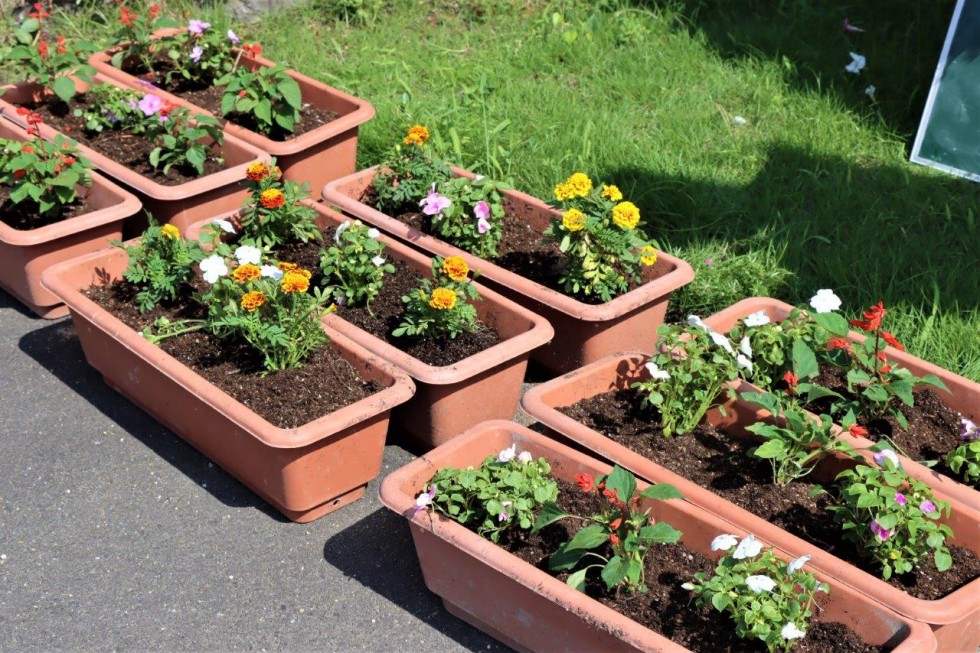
column 528, row 609
column 316, row 157
column 583, row 332
column 303, row 472
column 452, row 398
column 25, row 254
column 964, row 395
column 179, row 205
column 953, row 617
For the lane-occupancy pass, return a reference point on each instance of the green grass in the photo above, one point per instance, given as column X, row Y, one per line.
column 813, row 191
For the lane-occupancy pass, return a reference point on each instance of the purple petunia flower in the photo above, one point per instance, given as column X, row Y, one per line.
column 882, row 533
column 196, row 53
column 970, row 431
column 927, row 506
column 424, row 499
column 900, row 499
column 482, row 213
column 197, row 26
column 150, row 104
column 233, row 38
column 434, row 203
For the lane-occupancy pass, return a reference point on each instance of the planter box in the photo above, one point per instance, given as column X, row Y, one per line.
column 964, row 395
column 452, row 398
column 316, row 157
column 25, row 254
column 583, row 332
column 953, row 617
column 303, row 472
column 528, row 609
column 179, row 205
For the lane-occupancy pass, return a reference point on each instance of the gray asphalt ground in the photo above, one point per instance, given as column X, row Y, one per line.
column 116, row 535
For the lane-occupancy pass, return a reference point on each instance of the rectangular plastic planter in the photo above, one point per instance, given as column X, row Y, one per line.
column 953, row 617
column 179, row 205
column 964, row 395
column 529, row 610
column 303, row 472
column 25, row 254
column 583, row 332
column 316, row 157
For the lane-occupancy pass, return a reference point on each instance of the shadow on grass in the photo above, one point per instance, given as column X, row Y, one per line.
column 57, row 349
column 388, row 566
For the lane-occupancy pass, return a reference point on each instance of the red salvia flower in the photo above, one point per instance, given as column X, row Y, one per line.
column 872, row 318
column 70, row 161
column 22, row 111
column 613, row 539
column 838, row 343
column 585, row 482
column 880, row 356
column 892, row 340
column 614, row 524
column 252, row 49
column 42, row 49
column 126, row 17
column 885, row 369
column 154, row 10
column 791, row 379
column 39, row 12
column 19, row 173
column 27, row 149
column 857, row 430
column 62, row 48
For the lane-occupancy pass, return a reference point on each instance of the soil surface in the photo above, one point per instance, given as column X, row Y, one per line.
column 722, row 464
column 287, row 399
column 123, row 147
column 666, row 608
column 24, row 216
column 934, row 428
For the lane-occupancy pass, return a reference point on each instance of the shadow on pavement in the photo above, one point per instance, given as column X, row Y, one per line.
column 57, row 349
column 9, row 301
column 378, row 552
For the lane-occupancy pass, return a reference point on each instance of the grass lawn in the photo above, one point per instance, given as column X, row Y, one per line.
column 732, row 124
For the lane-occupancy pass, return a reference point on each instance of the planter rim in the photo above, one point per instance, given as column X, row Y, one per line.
column 363, row 112
column 141, row 183
column 401, row 389
column 943, row 610
column 919, row 637
column 681, row 274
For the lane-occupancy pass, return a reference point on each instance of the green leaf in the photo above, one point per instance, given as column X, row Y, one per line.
column 720, row 601
column 588, row 538
column 577, row 580
column 804, row 360
column 565, row 558
column 263, row 110
column 661, row 491
column 769, row 449
column 64, row 88
column 933, row 380
column 661, row 533
column 622, row 482
column 550, row 513
column 833, row 322
column 867, row 501
column 196, row 157
column 290, row 92
column 615, row 572
column 943, row 559
column 155, row 157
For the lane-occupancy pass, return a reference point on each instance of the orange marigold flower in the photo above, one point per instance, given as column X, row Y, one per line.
column 256, row 172
column 417, row 135
column 456, row 268
column 170, row 231
column 246, row 273
column 295, row 281
column 287, row 267
column 272, row 198
column 443, row 299
column 252, row 300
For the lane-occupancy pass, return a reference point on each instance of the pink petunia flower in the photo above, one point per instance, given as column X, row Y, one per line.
column 434, row 203
column 882, row 533
column 150, row 104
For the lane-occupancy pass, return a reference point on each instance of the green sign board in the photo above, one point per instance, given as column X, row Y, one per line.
column 949, row 133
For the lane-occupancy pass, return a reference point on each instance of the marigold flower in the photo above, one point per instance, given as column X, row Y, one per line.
column 272, row 198
column 626, row 215
column 648, row 255
column 579, row 184
column 456, row 268
column 611, row 192
column 417, row 135
column 562, row 192
column 573, row 220
column 246, row 273
column 170, row 231
column 294, row 281
column 256, row 172
column 892, row 340
column 838, row 343
column 252, row 300
column 585, row 482
column 443, row 299
column 287, row 267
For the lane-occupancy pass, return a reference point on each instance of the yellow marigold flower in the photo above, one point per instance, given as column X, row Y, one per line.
column 417, row 135
column 252, row 300
column 272, row 198
column 626, row 215
column 247, row 272
column 579, row 184
column 443, row 299
column 573, row 220
column 562, row 192
column 257, row 172
column 648, row 255
column 456, row 268
column 294, row 281
column 170, row 231
column 611, row 193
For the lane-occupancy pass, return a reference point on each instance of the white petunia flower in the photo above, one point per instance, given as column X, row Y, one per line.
column 759, row 318
column 225, row 225
column 760, row 583
column 870, row 91
column 507, row 454
column 687, row 586
column 695, row 321
column 373, row 233
column 744, row 361
column 857, row 63
column 747, row 548
column 797, row 564
column 341, row 229
column 525, row 457
column 720, row 340
column 656, row 372
column 214, row 268
column 790, row 631
column 248, row 254
column 378, row 260
column 825, row 301
column 271, row 272
column 724, row 542
column 745, row 346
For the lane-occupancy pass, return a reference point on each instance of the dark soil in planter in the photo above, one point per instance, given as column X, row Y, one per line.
column 521, row 250
column 123, row 147
column 24, row 216
column 287, row 399
column 934, row 428
column 721, row 463
column 666, row 608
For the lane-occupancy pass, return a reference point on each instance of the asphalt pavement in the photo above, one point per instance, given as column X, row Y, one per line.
column 116, row 535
